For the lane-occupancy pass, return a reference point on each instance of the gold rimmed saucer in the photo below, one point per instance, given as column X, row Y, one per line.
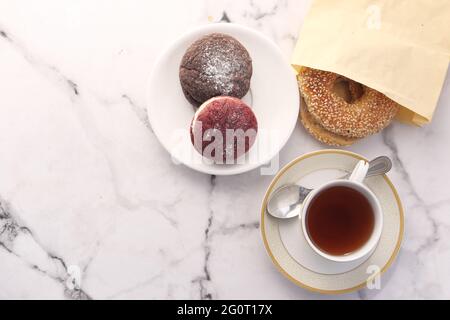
column 299, row 268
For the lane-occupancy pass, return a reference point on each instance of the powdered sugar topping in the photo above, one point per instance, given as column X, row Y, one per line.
column 221, row 63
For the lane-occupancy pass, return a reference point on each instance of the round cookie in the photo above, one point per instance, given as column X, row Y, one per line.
column 228, row 119
column 215, row 65
column 367, row 115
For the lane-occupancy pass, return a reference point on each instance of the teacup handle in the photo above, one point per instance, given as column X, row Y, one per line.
column 360, row 172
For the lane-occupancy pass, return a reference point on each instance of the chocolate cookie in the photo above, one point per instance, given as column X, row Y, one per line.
column 215, row 65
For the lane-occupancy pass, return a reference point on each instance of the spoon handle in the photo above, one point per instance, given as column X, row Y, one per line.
column 303, row 193
column 378, row 166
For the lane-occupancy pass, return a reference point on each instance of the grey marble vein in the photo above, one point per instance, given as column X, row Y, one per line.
column 49, row 71
column 204, row 280
column 140, row 112
column 433, row 238
column 146, row 282
column 237, row 228
column 260, row 14
column 225, row 18
column 74, row 86
column 96, row 138
column 11, row 229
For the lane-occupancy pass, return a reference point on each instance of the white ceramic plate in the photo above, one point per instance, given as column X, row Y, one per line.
column 273, row 97
column 289, row 251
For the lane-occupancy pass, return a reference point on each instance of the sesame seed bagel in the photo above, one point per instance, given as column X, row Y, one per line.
column 318, row 132
column 359, row 118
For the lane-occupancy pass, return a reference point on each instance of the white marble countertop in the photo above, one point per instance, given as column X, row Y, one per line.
column 88, row 193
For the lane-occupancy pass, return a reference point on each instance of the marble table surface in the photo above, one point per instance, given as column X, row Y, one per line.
column 91, row 205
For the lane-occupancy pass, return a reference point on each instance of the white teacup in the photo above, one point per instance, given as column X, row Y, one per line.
column 355, row 181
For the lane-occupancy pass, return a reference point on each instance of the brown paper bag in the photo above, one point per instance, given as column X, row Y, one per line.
column 398, row 47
